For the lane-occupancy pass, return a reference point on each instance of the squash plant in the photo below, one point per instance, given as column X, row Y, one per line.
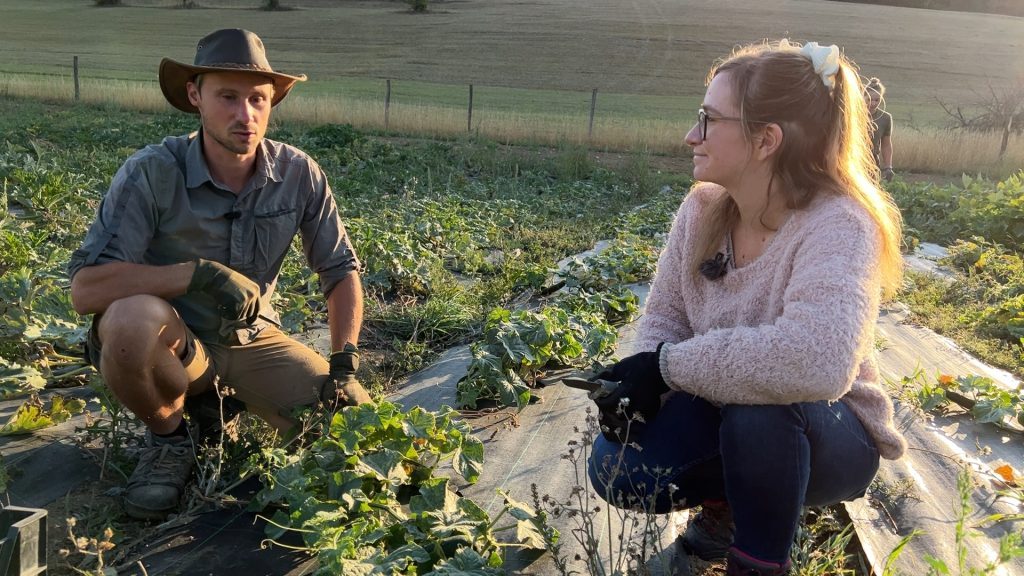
column 371, row 495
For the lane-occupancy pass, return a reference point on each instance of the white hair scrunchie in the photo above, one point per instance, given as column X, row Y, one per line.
column 824, row 58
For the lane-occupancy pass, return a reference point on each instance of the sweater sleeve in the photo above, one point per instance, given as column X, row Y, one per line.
column 814, row 349
column 665, row 318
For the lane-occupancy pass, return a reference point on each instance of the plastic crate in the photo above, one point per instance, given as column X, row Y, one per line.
column 23, row 547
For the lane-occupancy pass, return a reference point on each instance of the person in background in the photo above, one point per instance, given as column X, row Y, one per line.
column 180, row 265
column 881, row 127
column 756, row 385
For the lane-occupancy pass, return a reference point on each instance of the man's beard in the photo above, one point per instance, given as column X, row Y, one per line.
column 231, row 145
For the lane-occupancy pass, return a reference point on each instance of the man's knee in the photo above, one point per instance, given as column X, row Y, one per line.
column 134, row 328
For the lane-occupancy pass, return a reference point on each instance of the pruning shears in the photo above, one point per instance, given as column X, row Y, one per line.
column 595, row 387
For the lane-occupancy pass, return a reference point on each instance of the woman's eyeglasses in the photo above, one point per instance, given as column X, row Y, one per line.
column 703, row 118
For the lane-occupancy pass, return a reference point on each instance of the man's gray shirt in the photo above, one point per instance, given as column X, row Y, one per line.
column 163, row 207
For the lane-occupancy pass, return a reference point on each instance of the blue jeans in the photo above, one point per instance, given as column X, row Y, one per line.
column 768, row 462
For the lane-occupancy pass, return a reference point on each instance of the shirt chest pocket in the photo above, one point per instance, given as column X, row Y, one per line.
column 275, row 229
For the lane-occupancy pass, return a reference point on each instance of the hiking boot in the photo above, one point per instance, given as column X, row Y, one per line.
column 204, row 412
column 159, row 479
column 679, row 565
column 710, row 532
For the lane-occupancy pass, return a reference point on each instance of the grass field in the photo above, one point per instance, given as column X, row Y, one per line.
column 533, row 64
column 644, row 47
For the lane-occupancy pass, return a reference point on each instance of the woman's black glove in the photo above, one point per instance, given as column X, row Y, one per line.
column 640, row 381
column 237, row 297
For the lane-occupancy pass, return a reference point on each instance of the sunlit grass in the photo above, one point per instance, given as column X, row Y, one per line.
column 368, row 114
column 499, row 125
column 951, row 152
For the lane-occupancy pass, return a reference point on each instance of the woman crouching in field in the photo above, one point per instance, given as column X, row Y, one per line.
column 758, row 383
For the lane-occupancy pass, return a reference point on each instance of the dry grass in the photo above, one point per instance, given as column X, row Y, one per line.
column 951, row 152
column 927, row 150
column 418, row 119
column 144, row 96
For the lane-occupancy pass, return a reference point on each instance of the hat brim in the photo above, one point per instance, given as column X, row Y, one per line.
column 174, row 77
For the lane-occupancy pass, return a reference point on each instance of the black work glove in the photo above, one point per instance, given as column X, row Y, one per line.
column 342, row 388
column 640, row 381
column 237, row 297
column 888, row 174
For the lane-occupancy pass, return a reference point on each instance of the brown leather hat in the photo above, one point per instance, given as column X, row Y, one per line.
column 228, row 50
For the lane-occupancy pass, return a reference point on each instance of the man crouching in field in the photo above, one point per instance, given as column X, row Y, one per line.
column 183, row 258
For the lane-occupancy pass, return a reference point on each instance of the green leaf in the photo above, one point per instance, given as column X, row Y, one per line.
column 530, row 526
column 34, row 415
column 528, row 535
column 512, row 390
column 278, row 526
column 994, row 408
column 938, row 566
column 465, row 562
column 931, row 397
column 468, row 459
column 418, row 423
column 401, row 557
column 897, row 551
column 434, row 495
column 385, row 465
column 27, row 419
column 516, row 349
column 16, row 380
column 473, row 510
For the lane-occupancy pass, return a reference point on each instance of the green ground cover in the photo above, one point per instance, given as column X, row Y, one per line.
column 450, row 233
column 447, row 231
column 982, row 222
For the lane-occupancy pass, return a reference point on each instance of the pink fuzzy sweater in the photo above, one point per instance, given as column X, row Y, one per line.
column 795, row 325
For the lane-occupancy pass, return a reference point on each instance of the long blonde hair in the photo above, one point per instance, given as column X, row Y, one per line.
column 826, row 147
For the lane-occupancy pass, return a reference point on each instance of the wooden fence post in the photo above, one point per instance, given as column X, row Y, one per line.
column 469, row 118
column 78, row 93
column 593, row 106
column 387, row 103
column 1006, row 135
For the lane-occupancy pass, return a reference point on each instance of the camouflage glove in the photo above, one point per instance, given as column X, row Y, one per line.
column 341, row 387
column 237, row 297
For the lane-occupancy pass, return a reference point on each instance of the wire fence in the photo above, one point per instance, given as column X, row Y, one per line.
column 601, row 119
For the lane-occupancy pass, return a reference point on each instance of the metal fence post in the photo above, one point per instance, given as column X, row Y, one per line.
column 78, row 93
column 593, row 106
column 387, row 103
column 469, row 117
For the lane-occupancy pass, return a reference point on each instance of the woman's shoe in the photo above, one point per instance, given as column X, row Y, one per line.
column 710, row 532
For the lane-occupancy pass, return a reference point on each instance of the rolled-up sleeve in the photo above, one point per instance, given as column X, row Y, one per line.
column 125, row 223
column 324, row 239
